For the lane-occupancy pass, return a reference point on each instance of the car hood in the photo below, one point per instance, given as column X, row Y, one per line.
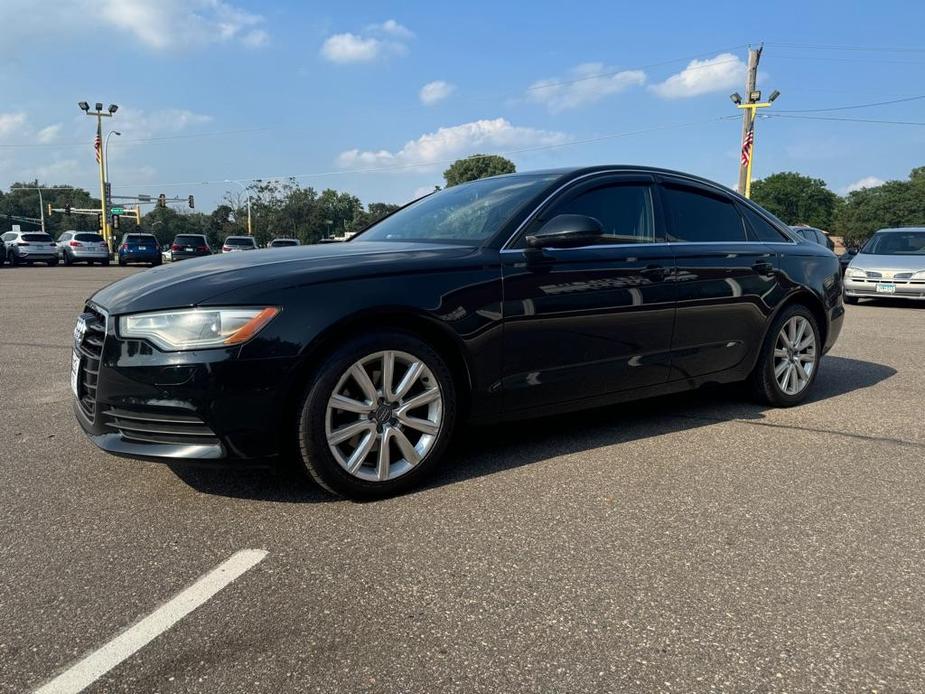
column 193, row 282
column 888, row 263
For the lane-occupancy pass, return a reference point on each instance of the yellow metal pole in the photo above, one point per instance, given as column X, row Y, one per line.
column 751, row 158
column 104, row 225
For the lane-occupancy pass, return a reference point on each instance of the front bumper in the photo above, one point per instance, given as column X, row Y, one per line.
column 212, row 405
column 867, row 289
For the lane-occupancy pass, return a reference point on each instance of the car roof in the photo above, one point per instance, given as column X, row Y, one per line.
column 896, row 230
column 567, row 173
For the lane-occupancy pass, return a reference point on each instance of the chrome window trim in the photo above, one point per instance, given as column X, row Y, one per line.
column 659, row 244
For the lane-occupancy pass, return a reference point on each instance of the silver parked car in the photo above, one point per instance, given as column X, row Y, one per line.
column 233, row 244
column 82, row 247
column 890, row 265
column 282, row 242
column 27, row 247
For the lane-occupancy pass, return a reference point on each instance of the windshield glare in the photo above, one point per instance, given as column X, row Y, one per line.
column 896, row 243
column 467, row 213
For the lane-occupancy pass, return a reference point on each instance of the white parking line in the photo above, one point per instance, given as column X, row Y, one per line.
column 99, row 662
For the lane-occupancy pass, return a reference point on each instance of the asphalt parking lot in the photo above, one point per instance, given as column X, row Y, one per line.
column 694, row 543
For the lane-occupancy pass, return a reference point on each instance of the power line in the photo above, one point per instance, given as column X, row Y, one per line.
column 849, row 120
column 869, row 49
column 848, row 108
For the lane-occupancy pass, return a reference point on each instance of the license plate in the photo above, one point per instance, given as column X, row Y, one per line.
column 75, row 369
column 886, row 288
column 189, row 249
column 142, row 248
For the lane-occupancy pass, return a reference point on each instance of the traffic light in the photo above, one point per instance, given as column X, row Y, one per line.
column 67, row 209
column 115, row 221
column 162, row 200
column 99, row 221
column 191, row 202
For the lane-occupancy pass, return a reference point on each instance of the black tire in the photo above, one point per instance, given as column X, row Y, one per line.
column 853, row 300
column 67, row 258
column 52, row 263
column 105, row 262
column 14, row 261
column 763, row 383
column 122, row 262
column 317, row 460
column 157, row 261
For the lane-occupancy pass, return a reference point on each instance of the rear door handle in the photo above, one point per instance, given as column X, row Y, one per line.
column 763, row 268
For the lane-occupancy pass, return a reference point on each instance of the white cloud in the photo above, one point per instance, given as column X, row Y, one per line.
column 350, row 48
column 377, row 41
column 866, row 182
column 136, row 124
column 48, row 134
column 585, row 84
column 11, row 123
column 158, row 24
column 452, row 142
column 435, row 91
column 725, row 71
column 393, row 28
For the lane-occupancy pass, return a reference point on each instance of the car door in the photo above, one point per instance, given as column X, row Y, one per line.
column 586, row 322
column 723, row 279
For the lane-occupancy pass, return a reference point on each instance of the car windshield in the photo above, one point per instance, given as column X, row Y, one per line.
column 37, row 238
column 466, row 213
column 188, row 240
column 896, row 243
column 239, row 241
column 89, row 238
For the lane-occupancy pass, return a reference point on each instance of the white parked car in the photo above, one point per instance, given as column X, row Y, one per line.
column 890, row 265
column 82, row 247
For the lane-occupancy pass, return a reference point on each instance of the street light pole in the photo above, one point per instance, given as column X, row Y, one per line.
column 41, row 210
column 106, row 151
column 250, row 228
column 101, row 160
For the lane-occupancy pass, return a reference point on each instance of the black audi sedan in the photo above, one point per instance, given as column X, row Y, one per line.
column 509, row 297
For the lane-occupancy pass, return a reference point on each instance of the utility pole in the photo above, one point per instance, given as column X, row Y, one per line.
column 750, row 105
column 250, row 228
column 101, row 161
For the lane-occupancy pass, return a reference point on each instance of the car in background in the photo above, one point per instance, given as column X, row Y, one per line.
column 845, row 259
column 139, row 248
column 239, row 243
column 82, row 247
column 283, row 242
column 189, row 246
column 891, row 265
column 27, row 247
column 814, row 235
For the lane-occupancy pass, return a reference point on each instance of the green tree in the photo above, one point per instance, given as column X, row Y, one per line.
column 23, row 201
column 796, row 199
column 893, row 204
column 477, row 166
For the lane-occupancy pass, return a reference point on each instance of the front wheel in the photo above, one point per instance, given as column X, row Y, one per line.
column 789, row 358
column 377, row 417
column 853, row 300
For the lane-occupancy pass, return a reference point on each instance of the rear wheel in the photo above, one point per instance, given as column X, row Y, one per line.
column 105, row 261
column 377, row 417
column 789, row 358
column 52, row 263
column 67, row 258
column 122, row 261
column 853, row 300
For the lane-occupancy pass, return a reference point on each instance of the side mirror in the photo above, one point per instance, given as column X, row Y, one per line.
column 567, row 231
column 852, row 251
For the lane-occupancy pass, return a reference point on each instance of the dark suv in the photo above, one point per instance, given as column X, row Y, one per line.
column 189, row 246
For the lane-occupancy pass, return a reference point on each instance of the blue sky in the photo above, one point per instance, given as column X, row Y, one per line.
column 335, row 93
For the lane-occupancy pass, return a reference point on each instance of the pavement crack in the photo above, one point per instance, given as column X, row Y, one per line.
column 813, row 430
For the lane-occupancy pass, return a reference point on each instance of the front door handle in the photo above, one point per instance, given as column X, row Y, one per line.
column 763, row 268
column 654, row 273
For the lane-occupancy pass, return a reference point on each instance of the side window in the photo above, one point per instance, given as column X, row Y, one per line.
column 761, row 228
column 698, row 217
column 624, row 210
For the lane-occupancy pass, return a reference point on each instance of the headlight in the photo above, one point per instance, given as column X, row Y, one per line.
column 856, row 274
column 196, row 328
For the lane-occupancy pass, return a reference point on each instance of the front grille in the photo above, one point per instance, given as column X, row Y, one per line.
column 91, row 351
column 150, row 425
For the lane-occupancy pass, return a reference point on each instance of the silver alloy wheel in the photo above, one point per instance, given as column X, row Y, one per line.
column 384, row 416
column 794, row 355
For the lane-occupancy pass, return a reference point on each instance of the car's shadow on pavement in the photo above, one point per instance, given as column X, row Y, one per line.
column 484, row 450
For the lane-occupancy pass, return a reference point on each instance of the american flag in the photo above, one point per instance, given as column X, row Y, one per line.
column 97, row 147
column 747, row 145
